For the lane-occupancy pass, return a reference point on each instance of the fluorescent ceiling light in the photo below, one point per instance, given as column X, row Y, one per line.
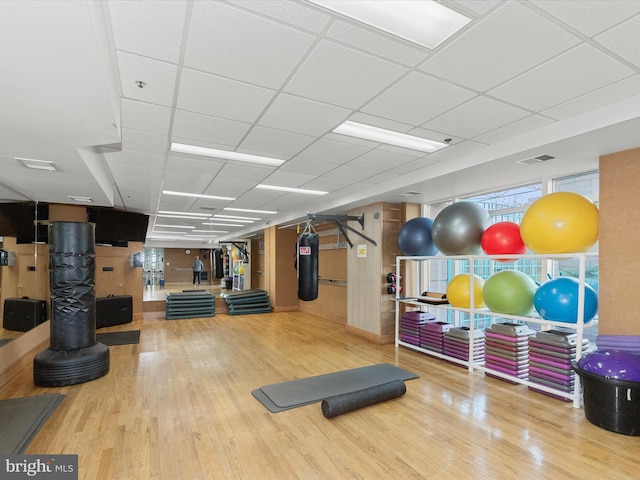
column 389, row 137
column 174, row 226
column 196, row 195
column 426, row 22
column 249, row 210
column 81, row 199
column 219, row 215
column 177, row 234
column 210, row 231
column 223, row 224
column 225, row 154
column 290, row 189
column 185, row 213
column 37, row 164
column 189, row 217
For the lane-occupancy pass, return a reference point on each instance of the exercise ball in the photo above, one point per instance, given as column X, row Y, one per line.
column 503, row 237
column 561, row 222
column 414, row 238
column 459, row 291
column 557, row 299
column 510, row 292
column 612, row 364
column 458, row 229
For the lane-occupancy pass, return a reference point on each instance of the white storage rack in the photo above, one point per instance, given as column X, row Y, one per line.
column 579, row 326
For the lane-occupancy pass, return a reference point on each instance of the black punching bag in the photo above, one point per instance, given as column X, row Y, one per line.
column 308, row 245
column 218, row 263
column 74, row 356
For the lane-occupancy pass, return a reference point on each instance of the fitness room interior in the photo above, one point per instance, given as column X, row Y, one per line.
column 318, row 240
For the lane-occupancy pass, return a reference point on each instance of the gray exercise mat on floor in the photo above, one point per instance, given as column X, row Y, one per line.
column 22, row 418
column 126, row 337
column 296, row 393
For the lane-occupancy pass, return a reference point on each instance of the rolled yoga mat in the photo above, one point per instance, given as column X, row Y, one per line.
column 348, row 402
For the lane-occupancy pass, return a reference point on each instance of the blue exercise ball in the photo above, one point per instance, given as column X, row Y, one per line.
column 458, row 229
column 557, row 300
column 414, row 238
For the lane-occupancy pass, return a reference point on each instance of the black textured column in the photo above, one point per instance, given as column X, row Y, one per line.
column 73, row 356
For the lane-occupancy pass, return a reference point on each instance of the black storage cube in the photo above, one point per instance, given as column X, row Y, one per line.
column 114, row 310
column 23, row 314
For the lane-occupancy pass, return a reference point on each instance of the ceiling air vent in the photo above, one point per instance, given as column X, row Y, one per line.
column 534, row 160
column 208, row 208
column 409, row 194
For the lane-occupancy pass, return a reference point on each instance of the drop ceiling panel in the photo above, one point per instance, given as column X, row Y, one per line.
column 623, row 40
column 508, row 42
column 129, row 158
column 153, row 32
column 478, row 7
column 307, row 166
column 380, row 160
column 416, row 99
column 275, row 142
column 294, row 13
column 251, row 48
column 342, row 76
column 133, row 140
column 145, row 117
column 599, row 98
column 532, row 122
column 476, row 117
column 221, row 97
column 205, row 128
column 245, row 171
column 565, row 77
column 160, row 79
column 381, row 177
column 230, row 186
column 193, row 164
column 333, row 152
column 590, row 18
column 301, row 115
column 180, row 181
column 386, row 47
column 353, row 173
column 288, row 179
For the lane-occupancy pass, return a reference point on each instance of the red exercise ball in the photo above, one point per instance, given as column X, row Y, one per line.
column 503, row 237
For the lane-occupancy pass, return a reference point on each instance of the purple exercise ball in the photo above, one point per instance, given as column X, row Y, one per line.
column 612, row 364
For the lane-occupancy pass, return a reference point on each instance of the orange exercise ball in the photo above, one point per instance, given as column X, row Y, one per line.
column 459, row 291
column 561, row 222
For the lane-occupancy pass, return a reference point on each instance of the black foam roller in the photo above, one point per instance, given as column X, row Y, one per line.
column 308, row 246
column 348, row 402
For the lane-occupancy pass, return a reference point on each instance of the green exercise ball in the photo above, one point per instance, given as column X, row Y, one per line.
column 510, row 292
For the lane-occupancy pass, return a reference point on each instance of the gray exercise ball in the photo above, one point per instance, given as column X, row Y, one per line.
column 458, row 229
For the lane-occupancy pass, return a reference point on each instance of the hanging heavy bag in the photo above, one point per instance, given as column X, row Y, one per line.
column 307, row 262
column 218, row 263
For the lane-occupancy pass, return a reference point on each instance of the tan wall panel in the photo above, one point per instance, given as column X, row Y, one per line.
column 619, row 241
column 124, row 279
column 331, row 304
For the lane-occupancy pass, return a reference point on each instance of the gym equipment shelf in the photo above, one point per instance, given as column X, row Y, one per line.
column 473, row 313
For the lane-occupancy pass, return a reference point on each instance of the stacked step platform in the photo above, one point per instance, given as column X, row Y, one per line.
column 457, row 342
column 190, row 304
column 411, row 324
column 507, row 349
column 247, row 302
column 432, row 335
column 550, row 355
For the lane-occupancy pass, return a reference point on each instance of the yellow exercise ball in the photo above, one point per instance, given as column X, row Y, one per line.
column 561, row 222
column 459, row 291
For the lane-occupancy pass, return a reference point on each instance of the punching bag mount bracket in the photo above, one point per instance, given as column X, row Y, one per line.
column 342, row 225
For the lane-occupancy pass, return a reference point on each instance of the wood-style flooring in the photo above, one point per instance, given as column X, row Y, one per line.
column 179, row 406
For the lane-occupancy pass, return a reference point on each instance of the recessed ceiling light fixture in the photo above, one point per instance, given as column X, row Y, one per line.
column 210, row 231
column 196, row 195
column 427, row 23
column 234, row 217
column 225, row 154
column 81, row 199
column 37, row 164
column 216, row 224
column 174, row 226
column 249, row 210
column 185, row 216
column 279, row 188
column 166, row 212
column 380, row 135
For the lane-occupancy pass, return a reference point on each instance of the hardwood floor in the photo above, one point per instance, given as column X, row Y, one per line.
column 179, row 406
